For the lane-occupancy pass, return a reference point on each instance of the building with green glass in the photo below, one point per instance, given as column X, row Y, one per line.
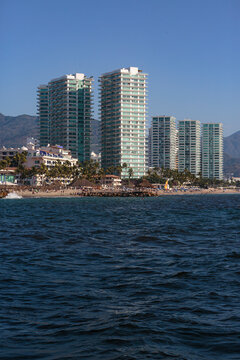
column 65, row 113
column 212, row 151
column 163, row 142
column 43, row 115
column 189, row 146
column 123, row 105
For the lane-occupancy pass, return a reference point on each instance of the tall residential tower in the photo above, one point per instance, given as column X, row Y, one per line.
column 65, row 112
column 212, row 151
column 123, row 119
column 189, row 144
column 163, row 142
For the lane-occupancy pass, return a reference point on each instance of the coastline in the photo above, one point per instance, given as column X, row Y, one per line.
column 81, row 193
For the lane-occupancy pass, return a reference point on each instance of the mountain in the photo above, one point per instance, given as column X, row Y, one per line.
column 232, row 145
column 231, row 166
column 14, row 130
column 232, row 155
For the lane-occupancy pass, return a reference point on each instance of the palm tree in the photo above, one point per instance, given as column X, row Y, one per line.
column 130, row 174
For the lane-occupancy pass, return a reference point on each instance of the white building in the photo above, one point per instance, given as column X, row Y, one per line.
column 123, row 108
column 96, row 157
column 49, row 156
column 11, row 152
column 111, row 181
column 212, row 151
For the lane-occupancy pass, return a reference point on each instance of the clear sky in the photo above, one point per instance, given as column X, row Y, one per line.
column 189, row 48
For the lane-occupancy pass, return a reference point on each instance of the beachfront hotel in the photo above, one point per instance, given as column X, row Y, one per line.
column 189, row 146
column 65, row 113
column 212, row 151
column 163, row 142
column 123, row 102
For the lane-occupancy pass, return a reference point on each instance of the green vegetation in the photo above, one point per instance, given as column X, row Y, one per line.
column 92, row 171
column 176, row 178
column 16, row 161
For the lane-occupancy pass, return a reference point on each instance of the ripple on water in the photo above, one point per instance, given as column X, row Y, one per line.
column 120, row 278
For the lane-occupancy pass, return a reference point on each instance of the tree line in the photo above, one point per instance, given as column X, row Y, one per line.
column 89, row 170
column 92, row 171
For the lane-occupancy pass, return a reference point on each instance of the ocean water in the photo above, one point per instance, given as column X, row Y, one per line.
column 120, row 278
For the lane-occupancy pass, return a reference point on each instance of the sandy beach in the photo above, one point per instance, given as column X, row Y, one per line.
column 80, row 193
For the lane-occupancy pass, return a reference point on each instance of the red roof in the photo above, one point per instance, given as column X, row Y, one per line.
column 112, row 176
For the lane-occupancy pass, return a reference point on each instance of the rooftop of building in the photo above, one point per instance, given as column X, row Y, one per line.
column 212, row 123
column 130, row 70
column 188, row 120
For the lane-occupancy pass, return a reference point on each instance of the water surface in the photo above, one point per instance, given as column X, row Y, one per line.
column 120, row 278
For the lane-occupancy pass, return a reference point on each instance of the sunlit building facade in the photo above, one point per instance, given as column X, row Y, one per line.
column 65, row 113
column 123, row 107
column 212, row 151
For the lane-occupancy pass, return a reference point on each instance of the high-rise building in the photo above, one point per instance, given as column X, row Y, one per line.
column 150, row 147
column 123, row 120
column 65, row 113
column 189, row 144
column 177, row 149
column 43, row 115
column 212, row 151
column 163, row 137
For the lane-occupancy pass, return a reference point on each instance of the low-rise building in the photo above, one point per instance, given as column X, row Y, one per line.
column 96, row 157
column 49, row 156
column 8, row 176
column 111, row 181
column 11, row 152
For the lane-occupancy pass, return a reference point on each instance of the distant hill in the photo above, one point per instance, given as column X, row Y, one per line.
column 232, row 145
column 14, row 130
column 232, row 154
column 231, row 166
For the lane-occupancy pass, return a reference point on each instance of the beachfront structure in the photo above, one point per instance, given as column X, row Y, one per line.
column 111, row 181
column 8, row 176
column 163, row 138
column 49, row 156
column 212, row 151
column 65, row 113
column 189, row 146
column 123, row 97
column 11, row 152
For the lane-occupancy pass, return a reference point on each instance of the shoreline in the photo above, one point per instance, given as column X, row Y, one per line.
column 80, row 193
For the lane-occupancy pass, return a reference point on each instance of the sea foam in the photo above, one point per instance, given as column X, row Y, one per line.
column 13, row 195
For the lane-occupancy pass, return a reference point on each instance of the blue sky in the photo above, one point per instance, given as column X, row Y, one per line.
column 189, row 48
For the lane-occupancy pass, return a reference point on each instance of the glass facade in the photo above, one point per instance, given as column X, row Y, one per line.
column 189, row 146
column 163, row 142
column 123, row 120
column 68, row 106
column 212, row 151
column 43, row 115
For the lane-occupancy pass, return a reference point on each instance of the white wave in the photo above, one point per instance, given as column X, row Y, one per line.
column 13, row 195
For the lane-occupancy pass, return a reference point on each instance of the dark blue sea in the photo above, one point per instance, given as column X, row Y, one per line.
column 120, row 278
